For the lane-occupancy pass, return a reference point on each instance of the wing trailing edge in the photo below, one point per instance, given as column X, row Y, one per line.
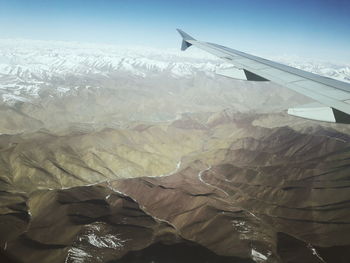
column 241, row 74
column 319, row 112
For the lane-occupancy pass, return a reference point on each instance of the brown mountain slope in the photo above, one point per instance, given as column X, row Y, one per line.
column 241, row 191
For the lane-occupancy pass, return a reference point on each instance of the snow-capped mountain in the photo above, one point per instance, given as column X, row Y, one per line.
column 28, row 67
column 324, row 68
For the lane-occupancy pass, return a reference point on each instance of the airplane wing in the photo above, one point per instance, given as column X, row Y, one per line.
column 332, row 96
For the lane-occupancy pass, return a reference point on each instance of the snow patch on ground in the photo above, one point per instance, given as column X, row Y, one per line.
column 77, row 255
column 97, row 237
column 240, row 226
column 315, row 253
column 12, row 99
column 106, row 241
column 257, row 256
column 62, row 89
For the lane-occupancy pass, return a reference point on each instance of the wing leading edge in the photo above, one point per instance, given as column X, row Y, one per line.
column 333, row 96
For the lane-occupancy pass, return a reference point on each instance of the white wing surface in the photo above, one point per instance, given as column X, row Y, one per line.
column 333, row 96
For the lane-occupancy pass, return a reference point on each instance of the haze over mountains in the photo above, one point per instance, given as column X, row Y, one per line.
column 110, row 154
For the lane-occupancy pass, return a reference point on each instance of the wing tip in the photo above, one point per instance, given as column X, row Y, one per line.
column 185, row 38
column 184, row 35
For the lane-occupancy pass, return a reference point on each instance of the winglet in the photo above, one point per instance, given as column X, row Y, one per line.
column 185, row 38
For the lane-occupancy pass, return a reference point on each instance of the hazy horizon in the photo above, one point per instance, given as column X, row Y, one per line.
column 312, row 29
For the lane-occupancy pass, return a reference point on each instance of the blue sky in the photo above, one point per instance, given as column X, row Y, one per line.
column 308, row 28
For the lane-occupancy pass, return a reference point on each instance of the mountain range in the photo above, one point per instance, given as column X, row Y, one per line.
column 114, row 154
